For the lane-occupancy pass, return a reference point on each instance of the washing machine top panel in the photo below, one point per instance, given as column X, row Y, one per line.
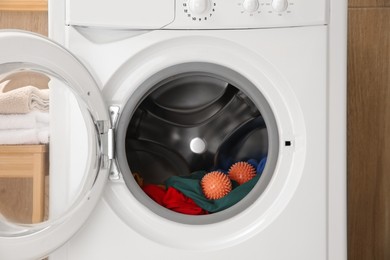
column 246, row 14
column 196, row 14
column 27, row 58
column 148, row 14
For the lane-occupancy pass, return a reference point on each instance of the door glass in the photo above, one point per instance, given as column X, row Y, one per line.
column 197, row 143
column 208, row 144
column 45, row 132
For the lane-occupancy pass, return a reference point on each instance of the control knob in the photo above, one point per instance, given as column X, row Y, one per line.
column 251, row 5
column 280, row 5
column 198, row 6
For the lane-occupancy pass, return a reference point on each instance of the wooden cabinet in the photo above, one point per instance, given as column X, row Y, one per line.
column 23, row 5
column 368, row 3
column 35, row 21
column 29, row 15
column 20, row 167
column 369, row 130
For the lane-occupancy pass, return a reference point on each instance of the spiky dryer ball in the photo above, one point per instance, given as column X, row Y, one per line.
column 241, row 172
column 215, row 185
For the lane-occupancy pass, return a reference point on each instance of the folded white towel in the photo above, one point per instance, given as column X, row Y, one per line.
column 24, row 100
column 25, row 136
column 24, row 121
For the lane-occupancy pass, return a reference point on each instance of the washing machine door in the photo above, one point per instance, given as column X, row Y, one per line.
column 78, row 126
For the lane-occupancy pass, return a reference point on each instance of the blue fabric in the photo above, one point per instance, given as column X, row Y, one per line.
column 260, row 167
column 253, row 162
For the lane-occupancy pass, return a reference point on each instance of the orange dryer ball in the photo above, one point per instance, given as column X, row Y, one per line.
column 241, row 172
column 215, row 185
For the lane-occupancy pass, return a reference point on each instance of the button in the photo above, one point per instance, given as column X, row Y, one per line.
column 251, row 5
column 280, row 5
column 199, row 6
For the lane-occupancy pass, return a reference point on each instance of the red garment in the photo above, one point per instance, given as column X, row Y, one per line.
column 177, row 201
column 155, row 192
column 173, row 199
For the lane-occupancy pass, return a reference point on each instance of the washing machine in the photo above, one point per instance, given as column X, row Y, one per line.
column 149, row 97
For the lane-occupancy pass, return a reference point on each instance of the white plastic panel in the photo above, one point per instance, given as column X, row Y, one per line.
column 225, row 14
column 145, row 14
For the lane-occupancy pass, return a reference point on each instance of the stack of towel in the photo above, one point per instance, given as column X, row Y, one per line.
column 24, row 116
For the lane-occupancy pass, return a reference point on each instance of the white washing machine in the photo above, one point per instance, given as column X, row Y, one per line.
column 164, row 89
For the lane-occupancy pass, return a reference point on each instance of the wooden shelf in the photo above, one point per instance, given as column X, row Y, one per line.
column 27, row 161
column 23, row 5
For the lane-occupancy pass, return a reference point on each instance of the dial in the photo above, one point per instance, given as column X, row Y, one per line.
column 251, row 5
column 198, row 6
column 280, row 5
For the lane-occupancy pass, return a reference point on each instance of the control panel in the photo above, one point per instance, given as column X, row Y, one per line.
column 225, row 14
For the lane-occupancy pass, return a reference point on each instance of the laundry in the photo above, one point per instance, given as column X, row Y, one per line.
column 24, row 121
column 259, row 166
column 190, row 187
column 138, row 179
column 24, row 100
column 173, row 199
column 155, row 192
column 184, row 194
column 24, row 136
column 178, row 202
column 24, row 115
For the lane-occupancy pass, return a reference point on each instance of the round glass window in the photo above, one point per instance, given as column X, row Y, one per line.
column 198, row 143
column 45, row 137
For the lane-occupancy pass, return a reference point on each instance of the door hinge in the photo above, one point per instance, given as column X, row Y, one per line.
column 107, row 136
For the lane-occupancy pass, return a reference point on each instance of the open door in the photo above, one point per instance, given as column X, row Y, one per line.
column 26, row 54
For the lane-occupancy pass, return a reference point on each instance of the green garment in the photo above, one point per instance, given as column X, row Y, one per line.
column 190, row 186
